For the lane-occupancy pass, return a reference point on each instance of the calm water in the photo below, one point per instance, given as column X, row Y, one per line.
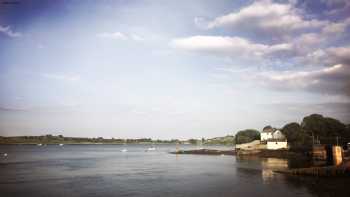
column 103, row 170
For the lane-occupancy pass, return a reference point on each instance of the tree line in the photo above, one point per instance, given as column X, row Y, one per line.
column 314, row 128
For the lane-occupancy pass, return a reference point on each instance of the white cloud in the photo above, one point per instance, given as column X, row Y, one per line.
column 230, row 46
column 336, row 6
column 339, row 54
column 200, row 22
column 8, row 32
column 136, row 37
column 61, row 77
column 335, row 2
column 277, row 21
column 13, row 109
column 115, row 35
column 266, row 16
column 334, row 79
column 283, row 32
column 121, row 36
column 335, row 28
column 301, row 47
column 328, row 56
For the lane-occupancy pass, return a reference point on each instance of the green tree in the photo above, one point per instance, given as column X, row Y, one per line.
column 296, row 136
column 324, row 128
column 246, row 136
column 192, row 141
column 267, row 128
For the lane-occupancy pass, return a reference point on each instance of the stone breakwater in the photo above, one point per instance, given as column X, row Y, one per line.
column 259, row 153
column 205, row 152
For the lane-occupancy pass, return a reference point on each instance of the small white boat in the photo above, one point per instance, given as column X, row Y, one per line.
column 124, row 150
column 60, row 144
column 5, row 154
column 39, row 144
column 151, row 149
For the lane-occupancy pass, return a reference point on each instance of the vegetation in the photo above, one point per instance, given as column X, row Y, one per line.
column 51, row 139
column 268, row 128
column 324, row 127
column 227, row 140
column 316, row 129
column 193, row 141
column 246, row 136
column 313, row 128
column 296, row 136
column 59, row 139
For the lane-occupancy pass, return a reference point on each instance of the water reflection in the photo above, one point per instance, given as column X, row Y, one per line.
column 269, row 165
column 265, row 168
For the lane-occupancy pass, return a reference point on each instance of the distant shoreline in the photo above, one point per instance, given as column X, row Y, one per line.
column 83, row 143
column 60, row 139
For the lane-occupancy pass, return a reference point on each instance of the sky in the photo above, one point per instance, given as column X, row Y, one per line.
column 170, row 69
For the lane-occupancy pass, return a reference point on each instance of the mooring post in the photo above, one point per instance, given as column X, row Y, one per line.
column 337, row 155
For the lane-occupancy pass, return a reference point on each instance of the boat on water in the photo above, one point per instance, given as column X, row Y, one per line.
column 151, row 148
column 60, row 144
column 39, row 144
column 124, row 149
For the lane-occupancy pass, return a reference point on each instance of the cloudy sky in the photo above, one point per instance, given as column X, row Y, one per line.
column 170, row 69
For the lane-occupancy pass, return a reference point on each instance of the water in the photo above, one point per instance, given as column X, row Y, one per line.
column 103, row 170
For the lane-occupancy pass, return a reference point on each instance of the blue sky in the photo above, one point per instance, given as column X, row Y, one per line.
column 170, row 69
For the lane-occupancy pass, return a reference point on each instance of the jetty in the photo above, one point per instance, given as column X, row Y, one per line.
column 205, row 152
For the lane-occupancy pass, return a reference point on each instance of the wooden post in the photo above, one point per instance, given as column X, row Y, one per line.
column 337, row 155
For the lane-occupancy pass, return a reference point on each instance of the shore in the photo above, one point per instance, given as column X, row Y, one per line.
column 205, row 152
column 260, row 153
column 283, row 154
column 83, row 143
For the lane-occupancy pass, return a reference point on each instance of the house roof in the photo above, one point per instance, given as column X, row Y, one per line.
column 268, row 130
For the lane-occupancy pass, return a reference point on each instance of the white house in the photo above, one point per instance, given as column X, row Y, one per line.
column 274, row 138
column 266, row 134
column 269, row 133
column 278, row 135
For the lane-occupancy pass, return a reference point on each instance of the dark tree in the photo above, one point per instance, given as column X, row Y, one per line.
column 296, row 136
column 325, row 129
column 192, row 141
column 246, row 136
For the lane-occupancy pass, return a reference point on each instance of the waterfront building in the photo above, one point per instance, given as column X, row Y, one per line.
column 273, row 138
column 266, row 133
